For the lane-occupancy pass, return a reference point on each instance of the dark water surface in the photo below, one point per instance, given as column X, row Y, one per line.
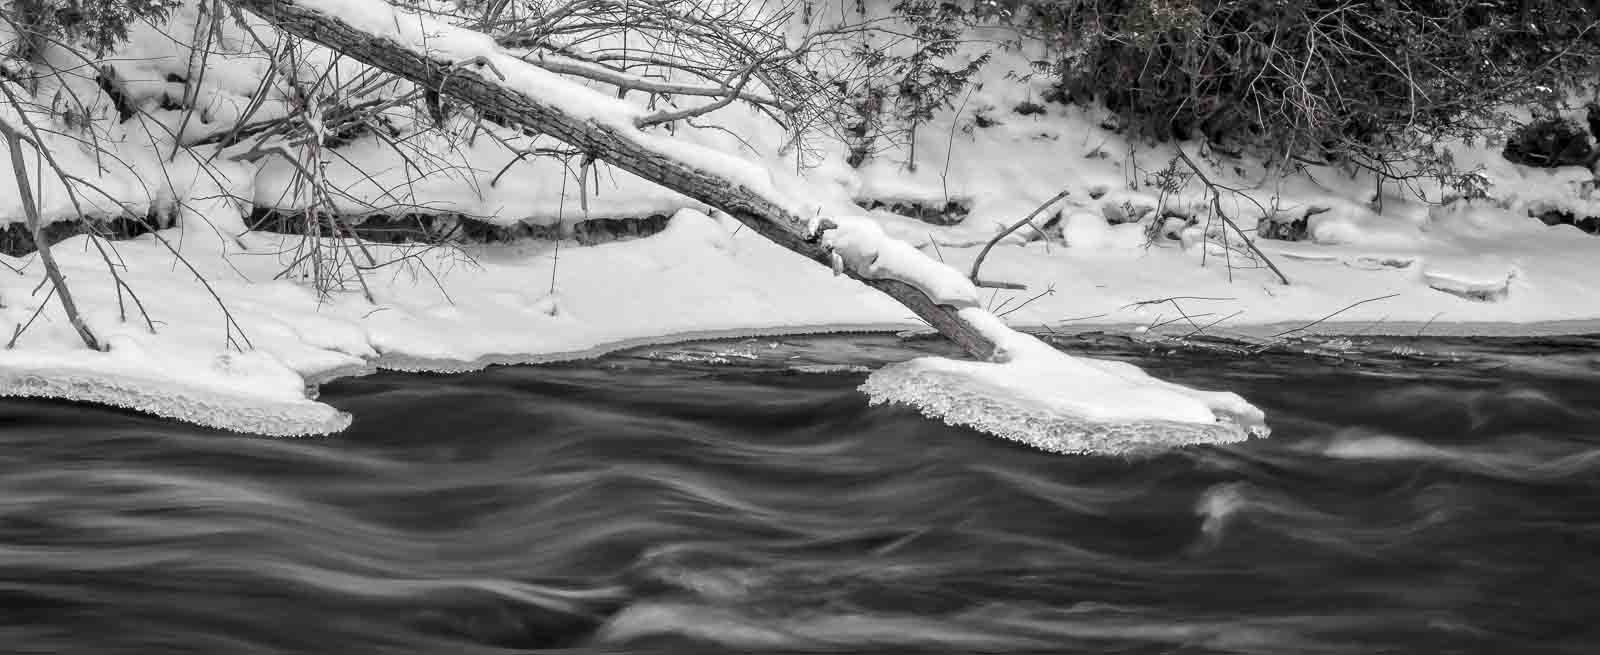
column 1429, row 496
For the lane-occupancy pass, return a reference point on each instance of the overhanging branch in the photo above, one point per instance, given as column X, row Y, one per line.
column 560, row 113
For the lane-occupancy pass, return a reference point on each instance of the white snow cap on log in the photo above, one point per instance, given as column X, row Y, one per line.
column 445, row 42
column 868, row 251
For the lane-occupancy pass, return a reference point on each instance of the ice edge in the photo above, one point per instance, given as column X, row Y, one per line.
column 264, row 417
column 1050, row 432
column 234, row 413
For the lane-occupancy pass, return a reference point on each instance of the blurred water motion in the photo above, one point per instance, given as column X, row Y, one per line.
column 741, row 496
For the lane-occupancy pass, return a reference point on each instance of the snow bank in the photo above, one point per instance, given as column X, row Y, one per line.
column 1039, row 396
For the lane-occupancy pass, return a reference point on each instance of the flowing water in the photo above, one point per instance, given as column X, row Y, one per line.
column 1417, row 496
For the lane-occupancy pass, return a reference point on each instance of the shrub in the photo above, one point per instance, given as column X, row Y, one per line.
column 902, row 91
column 1549, row 143
column 1314, row 78
column 97, row 25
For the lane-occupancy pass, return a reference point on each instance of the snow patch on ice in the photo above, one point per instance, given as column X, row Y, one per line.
column 1037, row 395
column 1487, row 281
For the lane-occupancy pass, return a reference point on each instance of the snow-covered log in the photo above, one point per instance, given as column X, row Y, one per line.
column 470, row 67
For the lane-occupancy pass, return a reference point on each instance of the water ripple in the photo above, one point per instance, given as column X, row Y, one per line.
column 632, row 503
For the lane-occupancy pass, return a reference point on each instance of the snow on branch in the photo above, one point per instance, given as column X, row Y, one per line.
column 471, row 67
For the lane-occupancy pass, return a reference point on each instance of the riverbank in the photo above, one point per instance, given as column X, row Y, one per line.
column 245, row 349
column 540, row 301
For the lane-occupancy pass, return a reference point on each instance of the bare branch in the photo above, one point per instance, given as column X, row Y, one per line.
column 1027, row 220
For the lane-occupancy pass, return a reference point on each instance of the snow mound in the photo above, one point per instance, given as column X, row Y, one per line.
column 1047, row 399
column 1482, row 287
column 236, row 413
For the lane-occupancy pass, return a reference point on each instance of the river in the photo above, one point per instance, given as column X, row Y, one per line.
column 1416, row 496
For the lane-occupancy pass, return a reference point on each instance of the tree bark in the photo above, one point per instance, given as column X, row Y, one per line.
column 458, row 79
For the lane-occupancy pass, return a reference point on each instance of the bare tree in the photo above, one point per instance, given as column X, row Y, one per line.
column 457, row 63
column 680, row 60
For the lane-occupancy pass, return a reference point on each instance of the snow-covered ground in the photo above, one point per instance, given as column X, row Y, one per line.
column 241, row 349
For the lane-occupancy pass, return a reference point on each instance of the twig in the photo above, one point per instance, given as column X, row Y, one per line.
column 1210, row 325
column 1047, row 292
column 23, row 327
column 1216, row 206
column 1082, row 318
column 1158, row 301
column 1185, row 317
column 949, row 147
column 978, row 263
column 1341, row 311
column 555, row 264
column 1436, row 315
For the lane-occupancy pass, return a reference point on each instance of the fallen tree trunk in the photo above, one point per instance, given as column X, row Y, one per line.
column 467, row 66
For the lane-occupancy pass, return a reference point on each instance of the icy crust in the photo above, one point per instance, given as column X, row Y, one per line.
column 961, row 397
column 1037, row 395
column 252, row 415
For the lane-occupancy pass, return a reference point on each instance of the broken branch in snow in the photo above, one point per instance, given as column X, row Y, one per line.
column 978, row 263
column 1216, row 207
column 585, row 119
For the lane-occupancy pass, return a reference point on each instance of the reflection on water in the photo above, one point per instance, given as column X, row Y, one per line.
column 1444, row 497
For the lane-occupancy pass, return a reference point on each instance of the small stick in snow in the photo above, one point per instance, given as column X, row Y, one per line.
column 23, row 327
column 1047, row 292
column 1158, row 301
column 978, row 263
